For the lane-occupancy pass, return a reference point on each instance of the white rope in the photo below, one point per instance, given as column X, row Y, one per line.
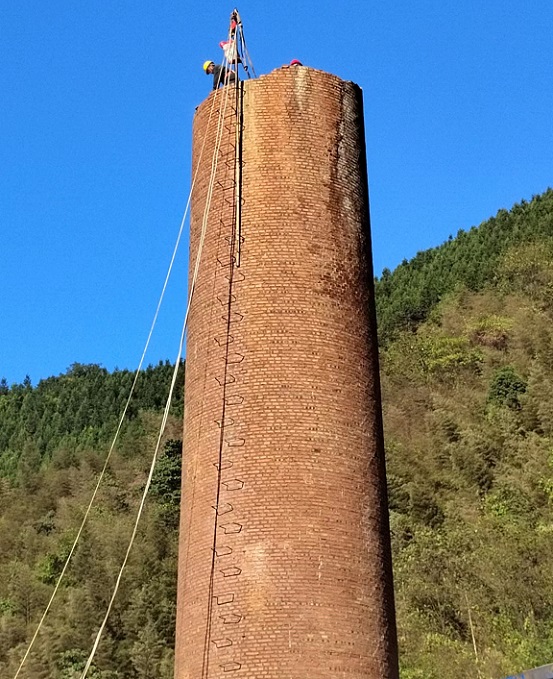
column 123, row 415
column 142, row 502
column 209, row 195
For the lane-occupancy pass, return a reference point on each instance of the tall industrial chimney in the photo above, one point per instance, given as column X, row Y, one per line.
column 284, row 564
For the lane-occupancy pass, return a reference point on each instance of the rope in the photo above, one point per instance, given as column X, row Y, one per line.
column 209, row 196
column 124, row 413
column 135, row 380
column 245, row 51
column 193, row 473
column 214, row 163
column 142, row 502
column 205, row 660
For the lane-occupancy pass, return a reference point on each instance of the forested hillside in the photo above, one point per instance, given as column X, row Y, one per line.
column 53, row 441
column 80, row 408
column 467, row 376
column 406, row 296
column 468, row 418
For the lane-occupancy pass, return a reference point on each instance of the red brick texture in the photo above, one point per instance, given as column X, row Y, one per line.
column 284, row 564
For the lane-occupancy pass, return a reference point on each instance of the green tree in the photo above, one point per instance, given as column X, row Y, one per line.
column 507, row 387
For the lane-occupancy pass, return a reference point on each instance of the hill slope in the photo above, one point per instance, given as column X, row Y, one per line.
column 406, row 296
column 53, row 440
column 467, row 376
column 468, row 413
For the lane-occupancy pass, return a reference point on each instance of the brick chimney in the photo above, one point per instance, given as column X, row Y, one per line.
column 284, row 564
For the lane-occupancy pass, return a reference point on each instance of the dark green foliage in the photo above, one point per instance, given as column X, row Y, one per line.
column 507, row 387
column 406, row 296
column 53, row 439
column 70, row 665
column 80, row 408
column 36, row 533
column 166, row 482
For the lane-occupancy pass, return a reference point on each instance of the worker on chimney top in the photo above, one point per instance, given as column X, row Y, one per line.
column 221, row 74
column 294, row 62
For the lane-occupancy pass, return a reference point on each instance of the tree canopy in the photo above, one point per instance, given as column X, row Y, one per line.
column 471, row 260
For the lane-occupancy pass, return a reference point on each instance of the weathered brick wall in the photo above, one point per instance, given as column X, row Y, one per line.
column 290, row 577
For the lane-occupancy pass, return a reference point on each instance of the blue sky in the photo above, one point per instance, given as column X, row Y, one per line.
column 95, row 131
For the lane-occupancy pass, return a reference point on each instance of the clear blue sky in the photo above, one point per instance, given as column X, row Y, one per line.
column 95, row 131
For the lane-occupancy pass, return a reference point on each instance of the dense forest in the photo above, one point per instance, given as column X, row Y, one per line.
column 406, row 297
column 467, row 377
column 53, row 442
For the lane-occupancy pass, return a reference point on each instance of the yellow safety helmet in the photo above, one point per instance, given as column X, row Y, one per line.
column 207, row 64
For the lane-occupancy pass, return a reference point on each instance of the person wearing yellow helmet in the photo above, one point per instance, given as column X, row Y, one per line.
column 221, row 74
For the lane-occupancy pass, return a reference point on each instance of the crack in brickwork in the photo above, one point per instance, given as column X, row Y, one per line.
column 283, row 447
